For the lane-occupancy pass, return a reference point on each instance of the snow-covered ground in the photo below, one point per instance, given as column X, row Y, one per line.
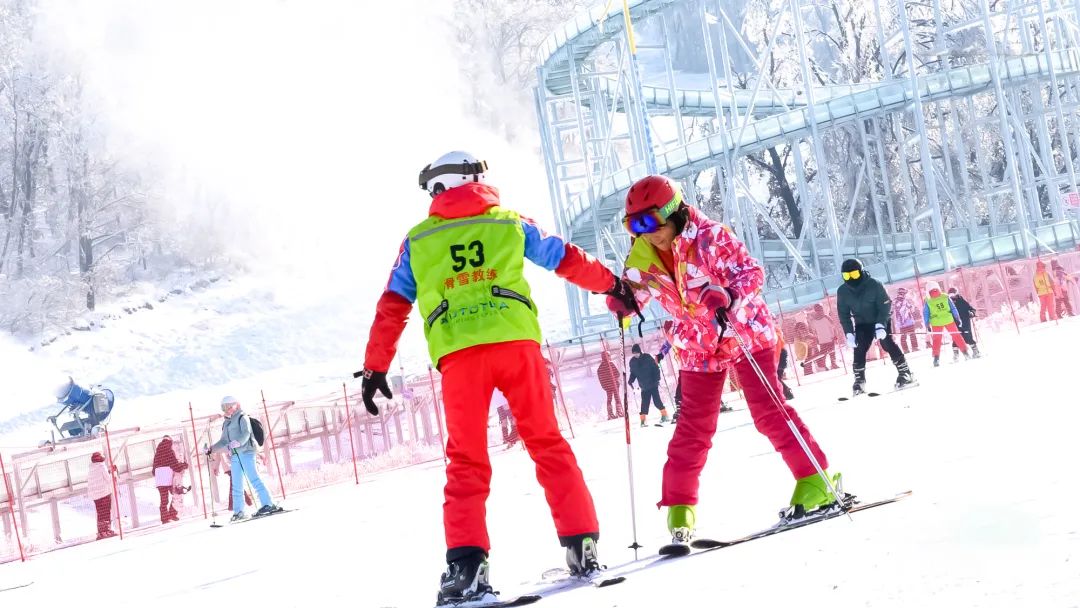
column 236, row 336
column 986, row 445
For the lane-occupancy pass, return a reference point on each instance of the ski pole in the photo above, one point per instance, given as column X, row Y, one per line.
column 629, row 452
column 721, row 315
column 209, row 473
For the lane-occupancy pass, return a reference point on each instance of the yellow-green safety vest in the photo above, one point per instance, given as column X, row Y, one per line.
column 470, row 284
column 940, row 313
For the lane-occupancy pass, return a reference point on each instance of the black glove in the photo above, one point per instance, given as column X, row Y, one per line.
column 659, row 357
column 622, row 292
column 208, row 450
column 374, row 381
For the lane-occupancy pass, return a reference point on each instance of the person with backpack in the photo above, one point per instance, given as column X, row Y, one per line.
column 166, row 466
column 238, row 437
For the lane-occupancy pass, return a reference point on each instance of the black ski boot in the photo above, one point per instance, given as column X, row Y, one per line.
column 904, row 377
column 465, row 580
column 975, row 351
column 581, row 556
column 860, row 382
column 937, row 361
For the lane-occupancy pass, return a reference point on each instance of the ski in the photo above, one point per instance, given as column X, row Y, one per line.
column 14, row 587
column 870, row 394
column 560, row 579
column 521, row 600
column 708, row 544
column 252, row 518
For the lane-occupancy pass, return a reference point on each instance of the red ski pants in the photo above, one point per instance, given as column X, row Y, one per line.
column 935, row 338
column 469, row 378
column 1046, row 308
column 701, row 392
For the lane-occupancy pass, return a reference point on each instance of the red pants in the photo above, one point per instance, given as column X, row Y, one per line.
column 103, row 507
column 1046, row 308
column 935, row 338
column 701, row 392
column 469, row 378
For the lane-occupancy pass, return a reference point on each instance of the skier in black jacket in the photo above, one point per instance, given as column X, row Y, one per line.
column 644, row 369
column 967, row 313
column 864, row 310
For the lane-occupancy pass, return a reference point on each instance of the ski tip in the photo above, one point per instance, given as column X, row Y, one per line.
column 707, row 543
column 613, row 580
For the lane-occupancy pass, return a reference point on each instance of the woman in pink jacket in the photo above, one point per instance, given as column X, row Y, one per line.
column 701, row 274
column 99, row 488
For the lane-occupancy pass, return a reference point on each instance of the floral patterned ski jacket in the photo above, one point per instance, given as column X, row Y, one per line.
column 706, row 254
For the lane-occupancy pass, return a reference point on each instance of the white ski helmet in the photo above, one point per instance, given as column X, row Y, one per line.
column 451, row 170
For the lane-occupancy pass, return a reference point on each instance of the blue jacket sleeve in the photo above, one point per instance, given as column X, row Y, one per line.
column 544, row 250
column 926, row 314
column 402, row 281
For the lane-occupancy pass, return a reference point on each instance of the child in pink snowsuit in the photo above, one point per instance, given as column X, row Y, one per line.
column 701, row 274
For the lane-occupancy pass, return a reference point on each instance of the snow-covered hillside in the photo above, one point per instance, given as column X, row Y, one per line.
column 290, row 336
column 985, row 445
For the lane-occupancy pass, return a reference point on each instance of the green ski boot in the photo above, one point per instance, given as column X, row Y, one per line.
column 812, row 494
column 681, row 520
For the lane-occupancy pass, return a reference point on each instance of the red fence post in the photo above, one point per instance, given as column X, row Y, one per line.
column 198, row 461
column 348, row 423
column 116, row 491
column 11, row 504
column 438, row 416
column 558, row 386
column 270, row 434
column 1008, row 296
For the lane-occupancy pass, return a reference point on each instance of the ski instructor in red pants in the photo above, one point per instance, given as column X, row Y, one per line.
column 463, row 266
column 695, row 267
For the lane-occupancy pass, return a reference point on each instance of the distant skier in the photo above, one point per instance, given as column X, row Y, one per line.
column 965, row 313
column 906, row 315
column 1063, row 280
column 464, row 267
column 941, row 316
column 237, row 438
column 646, row 372
column 782, row 364
column 1044, row 288
column 99, row 489
column 610, row 378
column 864, row 310
column 166, row 466
column 702, row 275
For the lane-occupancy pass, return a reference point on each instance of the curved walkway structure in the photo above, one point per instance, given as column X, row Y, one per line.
column 583, row 98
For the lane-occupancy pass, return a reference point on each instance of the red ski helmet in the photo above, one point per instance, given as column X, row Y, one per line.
column 649, row 202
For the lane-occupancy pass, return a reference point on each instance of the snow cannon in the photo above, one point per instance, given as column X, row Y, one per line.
column 89, row 411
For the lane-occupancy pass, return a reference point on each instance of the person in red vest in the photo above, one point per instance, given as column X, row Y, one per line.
column 464, row 268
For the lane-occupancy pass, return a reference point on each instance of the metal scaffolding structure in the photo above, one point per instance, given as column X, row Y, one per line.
column 963, row 150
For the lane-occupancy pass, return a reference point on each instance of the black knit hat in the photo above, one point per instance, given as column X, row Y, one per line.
column 636, row 349
column 851, row 264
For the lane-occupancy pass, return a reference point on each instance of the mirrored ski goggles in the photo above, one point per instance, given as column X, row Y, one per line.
column 652, row 219
column 853, row 275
